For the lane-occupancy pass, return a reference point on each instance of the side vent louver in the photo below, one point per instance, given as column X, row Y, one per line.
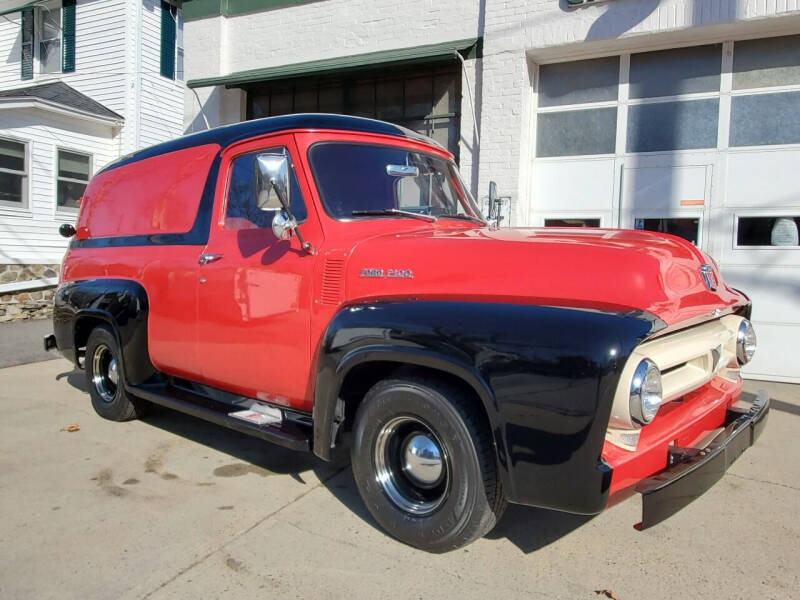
column 333, row 280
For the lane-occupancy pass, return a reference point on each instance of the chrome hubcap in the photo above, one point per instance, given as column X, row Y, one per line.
column 411, row 466
column 105, row 375
column 422, row 460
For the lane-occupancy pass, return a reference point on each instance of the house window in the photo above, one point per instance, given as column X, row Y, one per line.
column 13, row 174
column 73, row 175
column 49, row 34
column 48, row 38
column 171, row 42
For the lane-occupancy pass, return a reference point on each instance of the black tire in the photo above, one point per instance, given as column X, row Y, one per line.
column 109, row 398
column 451, row 514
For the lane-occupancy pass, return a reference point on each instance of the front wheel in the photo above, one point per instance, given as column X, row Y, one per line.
column 424, row 464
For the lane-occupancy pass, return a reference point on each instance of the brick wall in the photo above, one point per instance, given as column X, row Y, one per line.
column 518, row 33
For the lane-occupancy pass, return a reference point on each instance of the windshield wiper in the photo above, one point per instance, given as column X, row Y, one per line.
column 464, row 218
column 394, row 211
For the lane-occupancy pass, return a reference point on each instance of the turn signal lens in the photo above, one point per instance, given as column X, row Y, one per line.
column 745, row 342
column 646, row 392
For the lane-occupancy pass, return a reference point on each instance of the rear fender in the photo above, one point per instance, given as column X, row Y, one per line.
column 120, row 303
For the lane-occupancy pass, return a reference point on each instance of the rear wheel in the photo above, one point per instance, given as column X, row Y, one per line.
column 424, row 464
column 104, row 378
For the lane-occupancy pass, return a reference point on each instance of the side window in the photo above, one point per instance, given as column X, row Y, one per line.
column 249, row 209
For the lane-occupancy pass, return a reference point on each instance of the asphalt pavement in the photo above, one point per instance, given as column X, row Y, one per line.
column 173, row 507
column 21, row 342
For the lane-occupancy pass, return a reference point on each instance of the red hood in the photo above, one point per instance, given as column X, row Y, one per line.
column 595, row 268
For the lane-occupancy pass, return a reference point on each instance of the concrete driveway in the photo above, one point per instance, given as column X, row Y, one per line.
column 171, row 507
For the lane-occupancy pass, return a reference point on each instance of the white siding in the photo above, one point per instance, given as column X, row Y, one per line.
column 99, row 53
column 31, row 236
column 117, row 51
column 161, row 99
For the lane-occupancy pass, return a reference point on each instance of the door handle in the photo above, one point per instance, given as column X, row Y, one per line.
column 209, row 258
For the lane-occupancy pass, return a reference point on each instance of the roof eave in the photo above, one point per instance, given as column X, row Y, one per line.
column 11, row 102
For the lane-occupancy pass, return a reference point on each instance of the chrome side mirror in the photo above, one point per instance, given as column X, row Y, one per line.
column 283, row 225
column 273, row 173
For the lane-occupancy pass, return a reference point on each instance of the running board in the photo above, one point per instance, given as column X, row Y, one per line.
column 287, row 434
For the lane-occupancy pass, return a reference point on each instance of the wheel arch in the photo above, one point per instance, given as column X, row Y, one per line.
column 363, row 367
column 80, row 306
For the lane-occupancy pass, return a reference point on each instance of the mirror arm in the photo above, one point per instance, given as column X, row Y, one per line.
column 303, row 244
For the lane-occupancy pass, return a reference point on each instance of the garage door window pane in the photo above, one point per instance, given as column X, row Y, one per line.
column 330, row 99
column 765, row 119
column 768, row 231
column 766, row 63
column 305, row 101
column 688, row 229
column 672, row 126
column 579, row 81
column 673, row 72
column 572, row 222
column 576, row 132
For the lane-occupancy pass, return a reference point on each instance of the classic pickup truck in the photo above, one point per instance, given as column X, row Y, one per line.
column 320, row 280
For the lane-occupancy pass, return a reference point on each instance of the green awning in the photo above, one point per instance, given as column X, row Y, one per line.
column 12, row 6
column 469, row 48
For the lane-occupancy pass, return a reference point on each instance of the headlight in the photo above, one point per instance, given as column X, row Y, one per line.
column 645, row 392
column 745, row 342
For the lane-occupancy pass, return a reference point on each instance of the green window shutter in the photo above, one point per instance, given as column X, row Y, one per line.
column 167, row 41
column 68, row 36
column 27, row 43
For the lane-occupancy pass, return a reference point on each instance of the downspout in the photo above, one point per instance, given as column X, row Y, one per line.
column 137, row 91
column 471, row 103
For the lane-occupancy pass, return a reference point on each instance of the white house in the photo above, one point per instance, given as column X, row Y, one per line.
column 672, row 115
column 82, row 82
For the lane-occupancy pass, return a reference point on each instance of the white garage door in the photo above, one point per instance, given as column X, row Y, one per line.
column 702, row 142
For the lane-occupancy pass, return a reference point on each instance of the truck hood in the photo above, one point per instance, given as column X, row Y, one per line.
column 589, row 268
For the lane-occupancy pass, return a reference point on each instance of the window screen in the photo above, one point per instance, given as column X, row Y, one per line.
column 249, row 209
column 579, row 81
column 667, row 126
column 673, row 72
column 576, row 132
column 765, row 119
column 767, row 62
column 768, row 231
column 73, row 176
column 13, row 173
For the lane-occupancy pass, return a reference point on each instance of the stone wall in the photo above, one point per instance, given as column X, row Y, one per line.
column 22, row 305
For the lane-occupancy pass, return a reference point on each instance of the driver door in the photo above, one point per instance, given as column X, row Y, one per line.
column 255, row 290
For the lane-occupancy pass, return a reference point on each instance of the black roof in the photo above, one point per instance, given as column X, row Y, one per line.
column 228, row 134
column 59, row 92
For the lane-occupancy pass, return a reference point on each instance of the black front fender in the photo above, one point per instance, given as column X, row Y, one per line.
column 546, row 377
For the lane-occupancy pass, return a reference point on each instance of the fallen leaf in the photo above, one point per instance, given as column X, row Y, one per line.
column 607, row 594
column 72, row 428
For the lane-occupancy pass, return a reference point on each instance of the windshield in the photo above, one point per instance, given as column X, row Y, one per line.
column 356, row 180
